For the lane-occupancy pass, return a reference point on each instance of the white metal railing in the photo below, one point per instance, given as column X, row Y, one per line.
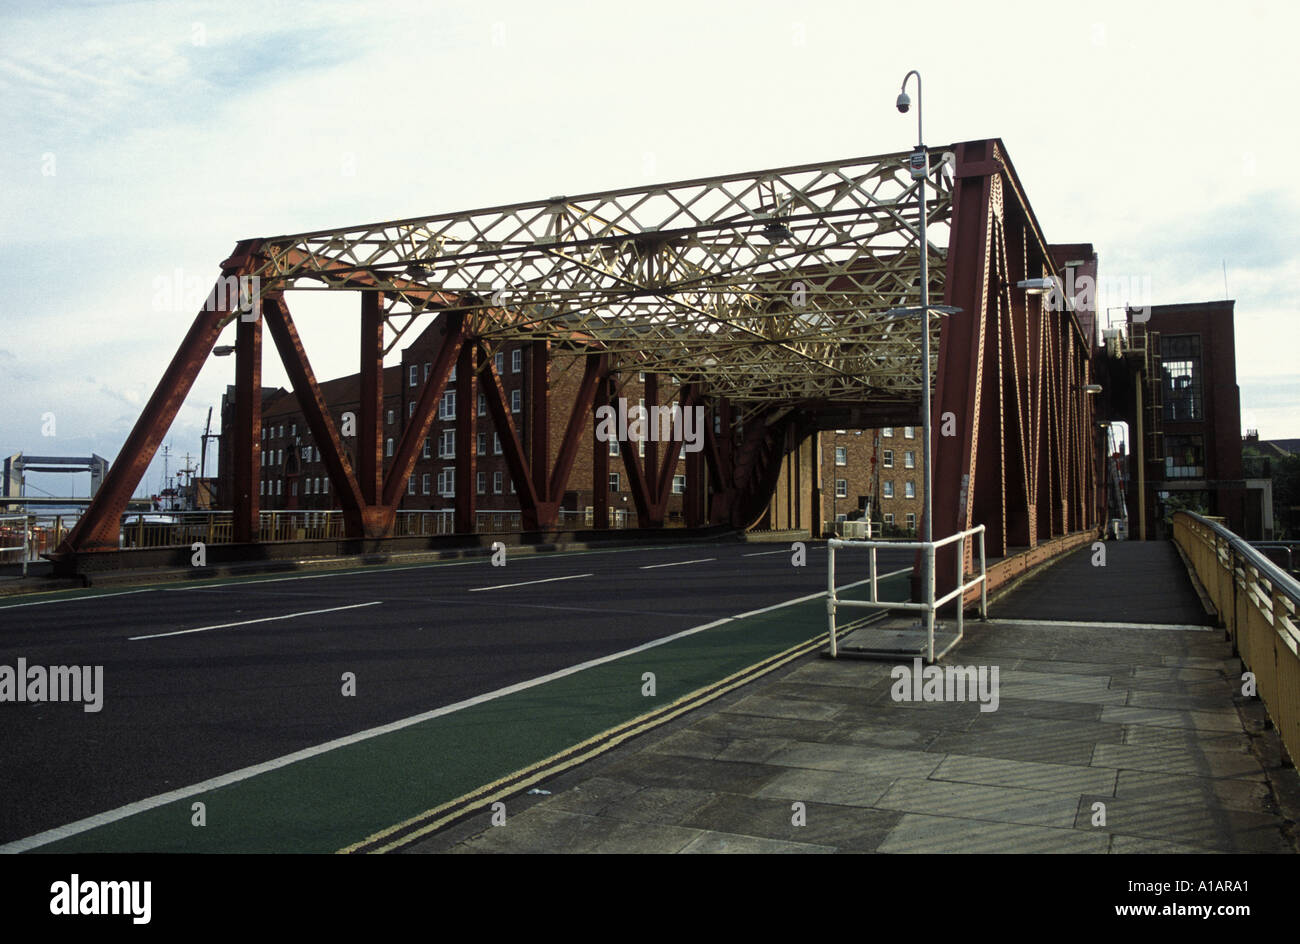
column 928, row 604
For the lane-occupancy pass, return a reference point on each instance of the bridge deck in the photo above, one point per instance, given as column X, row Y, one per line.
column 1140, row 582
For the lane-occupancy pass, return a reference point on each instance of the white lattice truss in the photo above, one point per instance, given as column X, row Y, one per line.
column 767, row 286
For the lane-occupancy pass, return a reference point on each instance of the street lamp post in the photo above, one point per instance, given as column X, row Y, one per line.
column 920, row 169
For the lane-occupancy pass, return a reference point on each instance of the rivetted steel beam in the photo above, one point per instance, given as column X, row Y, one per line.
column 466, row 439
column 370, row 425
column 246, row 443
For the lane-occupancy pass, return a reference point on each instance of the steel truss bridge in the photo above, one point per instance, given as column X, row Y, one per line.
column 769, row 296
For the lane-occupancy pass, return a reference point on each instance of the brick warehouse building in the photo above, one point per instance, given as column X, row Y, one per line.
column 292, row 475
column 883, row 467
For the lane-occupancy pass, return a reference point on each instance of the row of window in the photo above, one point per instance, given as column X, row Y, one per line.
column 886, row 457
column 516, row 365
column 887, row 489
column 446, row 486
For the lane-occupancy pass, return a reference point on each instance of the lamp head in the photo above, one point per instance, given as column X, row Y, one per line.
column 904, row 102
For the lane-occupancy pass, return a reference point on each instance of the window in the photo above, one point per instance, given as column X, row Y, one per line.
column 841, row 455
column 261, row 488
column 841, row 488
column 717, row 425
column 325, row 485
column 640, row 448
column 889, row 519
column 451, row 376
column 679, row 484
column 410, row 485
column 306, row 486
column 279, row 486
column 264, row 459
column 909, row 489
column 447, row 446
column 841, row 517
column 1184, row 457
column 390, row 417
column 887, row 432
column 841, row 432
column 909, row 459
column 293, row 429
column 516, row 361
column 264, row 432
column 415, row 374
column 482, row 405
column 496, row 445
column 640, row 376
column 516, row 401
column 887, row 489
column 909, row 432
column 447, row 482
column 424, row 483
column 613, row 447
column 1181, row 354
column 496, row 483
column 499, row 362
column 613, row 481
column 316, row 452
column 427, row 368
column 447, row 406
column 911, row 521
column 281, row 433
column 410, row 409
column 887, row 459
column 482, row 444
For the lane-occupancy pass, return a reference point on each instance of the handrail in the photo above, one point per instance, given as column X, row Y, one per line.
column 928, row 605
column 1258, row 602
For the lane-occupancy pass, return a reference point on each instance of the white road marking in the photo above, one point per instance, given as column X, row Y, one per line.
column 702, row 560
column 765, row 553
column 89, row 596
column 525, row 583
column 265, row 619
column 216, row 783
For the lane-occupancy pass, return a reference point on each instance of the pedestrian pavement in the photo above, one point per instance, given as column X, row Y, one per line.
column 1106, row 738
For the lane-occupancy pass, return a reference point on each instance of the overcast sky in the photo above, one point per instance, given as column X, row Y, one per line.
column 143, row 139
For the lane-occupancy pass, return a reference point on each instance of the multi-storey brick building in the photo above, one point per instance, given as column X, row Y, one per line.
column 880, row 470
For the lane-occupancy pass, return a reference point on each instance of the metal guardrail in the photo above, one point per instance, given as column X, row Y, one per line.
column 183, row 528
column 17, row 528
column 1257, row 602
column 928, row 604
column 1288, row 546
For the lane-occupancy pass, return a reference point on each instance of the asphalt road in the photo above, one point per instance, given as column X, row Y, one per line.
column 200, row 680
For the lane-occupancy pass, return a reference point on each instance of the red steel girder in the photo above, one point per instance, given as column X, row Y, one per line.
column 246, row 448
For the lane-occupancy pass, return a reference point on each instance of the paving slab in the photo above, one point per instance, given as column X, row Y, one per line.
column 845, row 828
column 928, row 834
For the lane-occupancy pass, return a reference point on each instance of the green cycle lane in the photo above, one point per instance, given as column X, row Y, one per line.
column 331, row 800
